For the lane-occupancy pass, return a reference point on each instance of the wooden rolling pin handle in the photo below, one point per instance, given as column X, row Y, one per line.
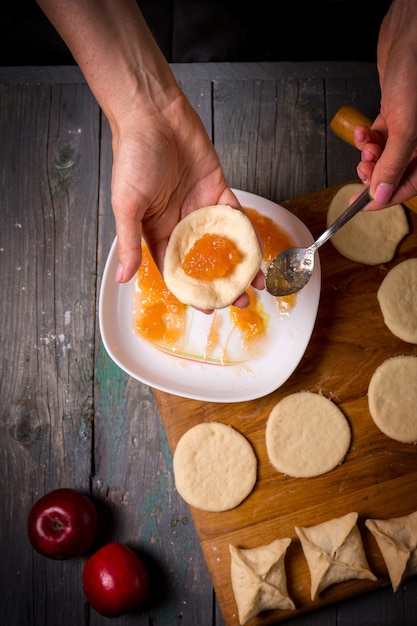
column 345, row 121
column 343, row 125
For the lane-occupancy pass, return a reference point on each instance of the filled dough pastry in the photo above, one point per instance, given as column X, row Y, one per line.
column 259, row 581
column 334, row 552
column 215, row 467
column 371, row 237
column 212, row 257
column 397, row 298
column 397, row 541
column 392, row 398
column 306, row 435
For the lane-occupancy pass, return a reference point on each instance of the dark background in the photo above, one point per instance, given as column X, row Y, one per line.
column 216, row 30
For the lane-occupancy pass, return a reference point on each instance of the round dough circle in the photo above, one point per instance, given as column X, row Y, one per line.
column 371, row 237
column 306, row 435
column 397, row 297
column 392, row 398
column 220, row 220
column 215, row 467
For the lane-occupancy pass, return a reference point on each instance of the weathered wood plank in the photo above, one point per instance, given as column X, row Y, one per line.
column 133, row 475
column 48, row 241
column 364, row 94
column 296, row 151
column 205, row 71
column 270, row 135
column 271, row 71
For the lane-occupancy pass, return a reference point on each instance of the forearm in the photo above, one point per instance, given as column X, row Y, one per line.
column 164, row 163
column 115, row 50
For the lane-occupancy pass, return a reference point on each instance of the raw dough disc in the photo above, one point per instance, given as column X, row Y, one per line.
column 215, row 467
column 392, row 398
column 220, row 220
column 371, row 237
column 397, row 297
column 306, row 435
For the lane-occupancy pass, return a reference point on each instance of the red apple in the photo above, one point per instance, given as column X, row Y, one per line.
column 115, row 580
column 62, row 524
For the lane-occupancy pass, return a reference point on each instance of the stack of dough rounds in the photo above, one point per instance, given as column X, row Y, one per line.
column 397, row 297
column 226, row 222
column 215, row 467
column 371, row 237
column 306, row 435
column 392, row 398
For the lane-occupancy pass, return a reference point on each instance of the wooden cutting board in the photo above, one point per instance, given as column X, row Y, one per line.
column 379, row 476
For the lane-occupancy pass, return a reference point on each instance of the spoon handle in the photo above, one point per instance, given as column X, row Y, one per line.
column 356, row 206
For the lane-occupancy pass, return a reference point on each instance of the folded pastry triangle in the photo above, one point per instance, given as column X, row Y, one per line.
column 397, row 541
column 334, row 552
column 259, row 580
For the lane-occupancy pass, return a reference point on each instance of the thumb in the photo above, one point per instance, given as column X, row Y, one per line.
column 129, row 248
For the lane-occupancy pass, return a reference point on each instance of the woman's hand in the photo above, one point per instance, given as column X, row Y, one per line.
column 389, row 154
column 164, row 163
column 164, row 167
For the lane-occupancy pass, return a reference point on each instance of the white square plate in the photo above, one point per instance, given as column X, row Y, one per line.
column 288, row 334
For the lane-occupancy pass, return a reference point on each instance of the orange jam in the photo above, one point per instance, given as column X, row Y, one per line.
column 158, row 315
column 161, row 318
column 274, row 240
column 251, row 321
column 211, row 257
column 213, row 335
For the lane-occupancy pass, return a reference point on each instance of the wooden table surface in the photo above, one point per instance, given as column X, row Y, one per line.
column 69, row 416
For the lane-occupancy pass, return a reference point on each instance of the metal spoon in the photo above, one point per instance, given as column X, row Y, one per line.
column 291, row 270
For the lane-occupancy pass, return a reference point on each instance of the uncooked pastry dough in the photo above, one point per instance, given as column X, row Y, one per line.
column 259, row 580
column 215, row 467
column 306, row 435
column 371, row 237
column 220, row 220
column 334, row 552
column 397, row 297
column 392, row 398
column 397, row 540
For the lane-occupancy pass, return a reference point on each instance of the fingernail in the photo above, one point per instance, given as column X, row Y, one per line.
column 367, row 155
column 359, row 135
column 383, row 193
column 119, row 273
column 363, row 178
